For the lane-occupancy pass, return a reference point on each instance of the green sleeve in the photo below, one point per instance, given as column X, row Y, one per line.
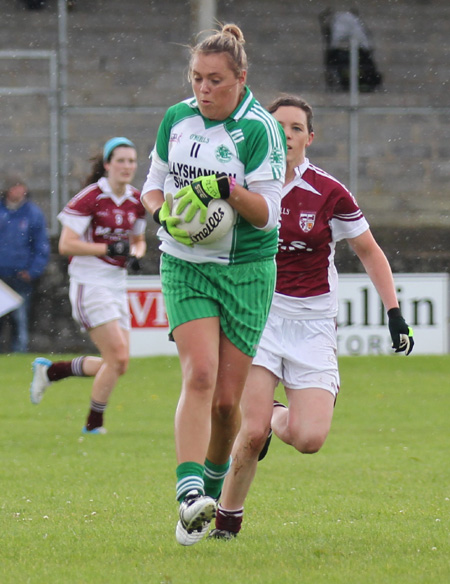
column 174, row 114
column 263, row 142
column 163, row 136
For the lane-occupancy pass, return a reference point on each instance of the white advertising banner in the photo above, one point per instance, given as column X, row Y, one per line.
column 9, row 299
column 362, row 320
column 149, row 325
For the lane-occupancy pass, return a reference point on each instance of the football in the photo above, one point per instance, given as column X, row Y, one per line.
column 219, row 220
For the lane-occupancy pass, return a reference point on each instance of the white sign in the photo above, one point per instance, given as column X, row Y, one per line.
column 362, row 319
column 149, row 325
column 9, row 299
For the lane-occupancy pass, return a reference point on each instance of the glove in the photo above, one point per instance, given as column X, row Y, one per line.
column 401, row 333
column 169, row 223
column 200, row 193
column 134, row 264
column 118, row 248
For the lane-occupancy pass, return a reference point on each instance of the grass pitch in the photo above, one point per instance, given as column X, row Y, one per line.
column 373, row 506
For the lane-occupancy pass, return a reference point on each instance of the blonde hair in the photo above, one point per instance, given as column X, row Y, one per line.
column 229, row 40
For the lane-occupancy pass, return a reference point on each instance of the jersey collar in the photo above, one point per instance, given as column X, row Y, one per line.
column 105, row 187
column 297, row 180
column 244, row 105
column 301, row 168
column 242, row 108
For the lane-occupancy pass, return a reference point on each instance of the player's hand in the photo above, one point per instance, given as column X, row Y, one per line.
column 401, row 333
column 134, row 264
column 118, row 248
column 169, row 223
column 200, row 193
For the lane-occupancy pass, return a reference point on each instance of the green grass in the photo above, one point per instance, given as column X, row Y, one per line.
column 373, row 506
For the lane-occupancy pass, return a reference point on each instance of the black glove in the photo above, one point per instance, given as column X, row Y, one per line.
column 118, row 248
column 401, row 333
column 134, row 264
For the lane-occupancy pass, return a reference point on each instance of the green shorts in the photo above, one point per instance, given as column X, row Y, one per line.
column 240, row 295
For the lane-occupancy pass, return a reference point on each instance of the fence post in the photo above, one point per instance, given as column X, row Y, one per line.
column 353, row 118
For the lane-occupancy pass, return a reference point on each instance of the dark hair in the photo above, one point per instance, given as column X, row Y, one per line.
column 98, row 166
column 287, row 100
column 97, row 169
column 229, row 40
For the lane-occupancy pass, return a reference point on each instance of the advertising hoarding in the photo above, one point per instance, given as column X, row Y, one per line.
column 362, row 319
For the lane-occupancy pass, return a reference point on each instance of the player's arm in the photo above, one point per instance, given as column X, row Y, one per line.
column 265, row 167
column 379, row 271
column 71, row 244
column 138, row 245
column 251, row 205
column 204, row 189
column 153, row 200
column 377, row 267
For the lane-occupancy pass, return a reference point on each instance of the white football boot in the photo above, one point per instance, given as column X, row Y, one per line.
column 196, row 513
column 40, row 381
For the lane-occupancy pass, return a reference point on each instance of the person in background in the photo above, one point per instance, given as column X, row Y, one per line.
column 299, row 344
column 217, row 295
column 103, row 226
column 24, row 254
column 34, row 4
column 338, row 28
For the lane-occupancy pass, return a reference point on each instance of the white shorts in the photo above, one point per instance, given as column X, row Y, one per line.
column 96, row 305
column 301, row 353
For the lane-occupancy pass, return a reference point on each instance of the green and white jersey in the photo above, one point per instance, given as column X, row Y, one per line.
column 249, row 146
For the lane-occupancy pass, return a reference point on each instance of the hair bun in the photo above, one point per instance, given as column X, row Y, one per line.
column 235, row 31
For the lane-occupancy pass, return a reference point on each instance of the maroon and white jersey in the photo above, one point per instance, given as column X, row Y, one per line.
column 98, row 215
column 316, row 212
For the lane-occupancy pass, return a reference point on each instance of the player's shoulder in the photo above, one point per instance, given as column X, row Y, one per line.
column 136, row 197
column 260, row 118
column 261, row 132
column 323, row 181
column 181, row 110
column 135, row 193
column 86, row 197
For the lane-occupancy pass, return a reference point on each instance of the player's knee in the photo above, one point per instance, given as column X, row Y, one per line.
column 256, row 438
column 123, row 366
column 309, row 444
column 120, row 361
column 225, row 409
column 199, row 378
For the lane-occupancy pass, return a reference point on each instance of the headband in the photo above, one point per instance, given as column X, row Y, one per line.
column 114, row 143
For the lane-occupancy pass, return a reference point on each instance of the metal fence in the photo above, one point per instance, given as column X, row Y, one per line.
column 396, row 160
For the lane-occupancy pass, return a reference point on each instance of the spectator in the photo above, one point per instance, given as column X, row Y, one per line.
column 34, row 4
column 24, row 254
column 338, row 28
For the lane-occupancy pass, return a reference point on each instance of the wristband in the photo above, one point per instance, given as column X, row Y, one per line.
column 156, row 216
column 232, row 182
column 394, row 312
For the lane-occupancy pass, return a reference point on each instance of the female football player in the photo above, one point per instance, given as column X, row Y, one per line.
column 103, row 225
column 218, row 144
column 299, row 343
